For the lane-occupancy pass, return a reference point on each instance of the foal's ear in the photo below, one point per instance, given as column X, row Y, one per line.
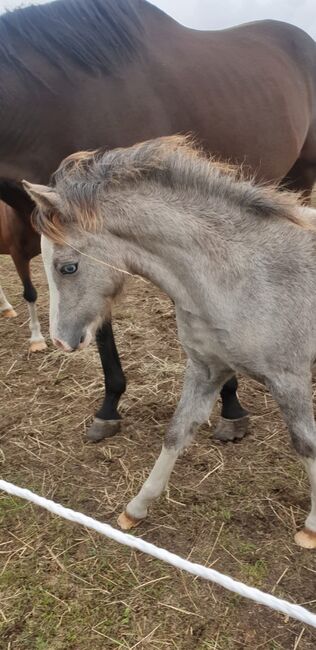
column 44, row 197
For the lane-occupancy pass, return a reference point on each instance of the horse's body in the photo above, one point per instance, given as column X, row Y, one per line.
column 239, row 262
column 19, row 239
column 80, row 74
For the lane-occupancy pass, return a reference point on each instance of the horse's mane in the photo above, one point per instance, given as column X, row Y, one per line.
column 175, row 162
column 94, row 34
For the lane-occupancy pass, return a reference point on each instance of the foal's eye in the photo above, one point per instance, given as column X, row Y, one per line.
column 70, row 267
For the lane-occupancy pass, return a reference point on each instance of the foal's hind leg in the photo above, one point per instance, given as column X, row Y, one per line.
column 200, row 391
column 294, row 396
column 107, row 420
column 234, row 420
column 5, row 308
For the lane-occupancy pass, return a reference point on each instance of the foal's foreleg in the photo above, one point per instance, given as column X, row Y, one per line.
column 234, row 420
column 107, row 420
column 200, row 391
column 294, row 396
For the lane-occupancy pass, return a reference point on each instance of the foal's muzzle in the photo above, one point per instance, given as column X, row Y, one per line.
column 80, row 344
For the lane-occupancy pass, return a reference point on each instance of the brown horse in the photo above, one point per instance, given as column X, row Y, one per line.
column 80, row 74
column 19, row 239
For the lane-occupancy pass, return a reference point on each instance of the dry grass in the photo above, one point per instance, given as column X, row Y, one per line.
column 235, row 506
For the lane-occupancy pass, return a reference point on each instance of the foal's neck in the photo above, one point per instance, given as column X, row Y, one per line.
column 162, row 241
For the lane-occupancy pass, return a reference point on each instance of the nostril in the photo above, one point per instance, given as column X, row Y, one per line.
column 82, row 338
column 62, row 345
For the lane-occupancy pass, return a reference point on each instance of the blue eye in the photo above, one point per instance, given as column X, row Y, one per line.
column 68, row 269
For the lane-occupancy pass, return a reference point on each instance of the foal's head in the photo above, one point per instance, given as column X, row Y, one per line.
column 80, row 249
column 81, row 285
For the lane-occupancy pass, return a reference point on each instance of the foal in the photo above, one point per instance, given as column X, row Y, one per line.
column 19, row 239
column 238, row 261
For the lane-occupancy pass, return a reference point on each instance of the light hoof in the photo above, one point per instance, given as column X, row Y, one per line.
column 126, row 522
column 37, row 346
column 9, row 313
column 229, row 430
column 101, row 429
column 305, row 538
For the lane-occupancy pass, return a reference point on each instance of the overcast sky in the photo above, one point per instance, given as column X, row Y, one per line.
column 216, row 14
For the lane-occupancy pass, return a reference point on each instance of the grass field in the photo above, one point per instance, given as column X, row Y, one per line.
column 234, row 507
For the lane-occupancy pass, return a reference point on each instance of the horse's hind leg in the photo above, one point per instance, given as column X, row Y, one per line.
column 6, row 309
column 107, row 420
column 302, row 178
column 234, row 420
column 294, row 396
column 200, row 391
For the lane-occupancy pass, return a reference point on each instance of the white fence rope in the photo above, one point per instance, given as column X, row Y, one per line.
column 280, row 605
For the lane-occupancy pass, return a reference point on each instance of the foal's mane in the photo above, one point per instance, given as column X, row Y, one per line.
column 94, row 34
column 174, row 162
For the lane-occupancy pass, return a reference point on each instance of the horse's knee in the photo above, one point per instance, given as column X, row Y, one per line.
column 113, row 374
column 29, row 293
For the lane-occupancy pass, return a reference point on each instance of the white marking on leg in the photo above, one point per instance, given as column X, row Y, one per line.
column 47, row 254
column 310, row 464
column 154, row 485
column 36, row 334
column 4, row 303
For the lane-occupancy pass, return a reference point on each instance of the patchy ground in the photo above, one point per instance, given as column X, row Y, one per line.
column 234, row 507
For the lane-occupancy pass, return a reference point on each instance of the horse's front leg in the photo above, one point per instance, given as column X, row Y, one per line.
column 107, row 420
column 22, row 265
column 234, row 420
column 200, row 391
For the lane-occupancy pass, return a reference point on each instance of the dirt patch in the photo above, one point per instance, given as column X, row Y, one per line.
column 234, row 507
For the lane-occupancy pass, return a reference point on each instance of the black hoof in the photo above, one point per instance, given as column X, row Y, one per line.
column 228, row 430
column 101, row 429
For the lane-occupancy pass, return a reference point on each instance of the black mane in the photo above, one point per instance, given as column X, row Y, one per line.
column 94, row 34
